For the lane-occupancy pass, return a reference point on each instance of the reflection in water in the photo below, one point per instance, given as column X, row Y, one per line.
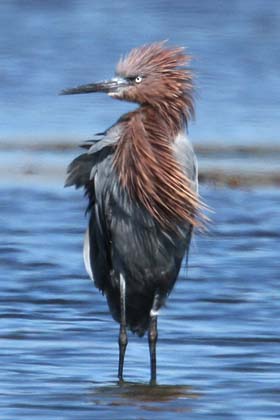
column 144, row 396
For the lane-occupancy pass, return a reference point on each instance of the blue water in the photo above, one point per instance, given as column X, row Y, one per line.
column 219, row 335
column 49, row 45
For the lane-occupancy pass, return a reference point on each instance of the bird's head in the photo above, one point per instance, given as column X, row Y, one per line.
column 152, row 74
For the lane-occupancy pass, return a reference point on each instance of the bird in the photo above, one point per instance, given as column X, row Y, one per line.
column 141, row 179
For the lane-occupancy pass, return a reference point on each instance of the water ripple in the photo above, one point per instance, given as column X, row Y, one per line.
column 218, row 351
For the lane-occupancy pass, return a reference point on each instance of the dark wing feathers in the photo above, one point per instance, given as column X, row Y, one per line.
column 88, row 143
column 79, row 171
column 82, row 170
column 92, row 171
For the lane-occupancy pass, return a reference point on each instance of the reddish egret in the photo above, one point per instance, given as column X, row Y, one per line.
column 140, row 176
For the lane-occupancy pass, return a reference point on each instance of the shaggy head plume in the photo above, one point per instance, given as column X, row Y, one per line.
column 159, row 77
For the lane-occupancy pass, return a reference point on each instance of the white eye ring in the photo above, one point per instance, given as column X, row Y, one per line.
column 138, row 79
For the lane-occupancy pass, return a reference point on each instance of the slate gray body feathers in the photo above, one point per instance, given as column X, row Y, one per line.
column 122, row 237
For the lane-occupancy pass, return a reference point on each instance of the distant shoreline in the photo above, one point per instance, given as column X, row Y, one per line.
column 233, row 165
column 200, row 148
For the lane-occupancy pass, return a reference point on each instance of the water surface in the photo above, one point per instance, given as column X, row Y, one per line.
column 218, row 350
column 57, row 44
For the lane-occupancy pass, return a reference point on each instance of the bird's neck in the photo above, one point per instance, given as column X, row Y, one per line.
column 169, row 121
column 147, row 168
column 162, row 120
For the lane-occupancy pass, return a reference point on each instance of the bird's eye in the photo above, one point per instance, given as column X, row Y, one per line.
column 138, row 79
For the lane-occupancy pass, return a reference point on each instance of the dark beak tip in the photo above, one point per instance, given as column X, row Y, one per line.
column 67, row 92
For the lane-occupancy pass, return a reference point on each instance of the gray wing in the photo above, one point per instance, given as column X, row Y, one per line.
column 185, row 155
column 89, row 170
column 82, row 170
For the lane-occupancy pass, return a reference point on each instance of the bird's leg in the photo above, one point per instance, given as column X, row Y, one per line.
column 152, row 337
column 122, row 335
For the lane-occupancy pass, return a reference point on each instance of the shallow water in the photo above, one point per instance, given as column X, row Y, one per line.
column 218, row 349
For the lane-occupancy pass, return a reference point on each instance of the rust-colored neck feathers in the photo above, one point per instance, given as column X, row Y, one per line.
column 144, row 157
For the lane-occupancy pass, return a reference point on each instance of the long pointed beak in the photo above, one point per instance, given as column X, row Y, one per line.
column 107, row 86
